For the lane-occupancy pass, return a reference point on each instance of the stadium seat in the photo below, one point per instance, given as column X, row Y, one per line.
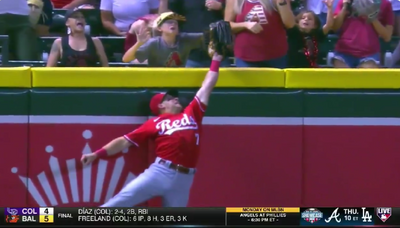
column 114, row 47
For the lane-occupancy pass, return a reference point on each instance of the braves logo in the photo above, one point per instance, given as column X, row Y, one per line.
column 167, row 127
column 257, row 14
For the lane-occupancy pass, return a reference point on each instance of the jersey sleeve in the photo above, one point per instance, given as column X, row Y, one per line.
column 197, row 109
column 140, row 135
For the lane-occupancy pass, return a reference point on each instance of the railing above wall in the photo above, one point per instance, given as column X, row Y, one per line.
column 144, row 77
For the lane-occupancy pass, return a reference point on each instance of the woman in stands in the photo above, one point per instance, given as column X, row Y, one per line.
column 118, row 15
column 260, row 28
column 77, row 49
column 305, row 37
column 360, row 25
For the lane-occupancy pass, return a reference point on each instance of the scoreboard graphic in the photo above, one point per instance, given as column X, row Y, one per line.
column 28, row 215
column 243, row 216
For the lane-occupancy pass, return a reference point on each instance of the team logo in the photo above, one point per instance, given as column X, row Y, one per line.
column 311, row 215
column 12, row 216
column 384, row 213
column 257, row 14
column 81, row 182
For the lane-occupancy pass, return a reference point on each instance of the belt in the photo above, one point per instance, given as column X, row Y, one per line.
column 178, row 168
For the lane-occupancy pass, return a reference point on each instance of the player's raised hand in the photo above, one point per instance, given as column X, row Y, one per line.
column 217, row 56
column 86, row 159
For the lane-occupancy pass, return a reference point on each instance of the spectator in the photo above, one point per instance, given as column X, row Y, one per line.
column 118, row 15
column 77, row 49
column 304, row 37
column 358, row 44
column 171, row 49
column 260, row 31
column 41, row 16
column 14, row 22
column 199, row 14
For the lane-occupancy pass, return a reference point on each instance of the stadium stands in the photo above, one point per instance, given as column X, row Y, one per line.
column 114, row 46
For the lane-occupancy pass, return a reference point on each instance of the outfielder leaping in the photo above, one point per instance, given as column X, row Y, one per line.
column 177, row 135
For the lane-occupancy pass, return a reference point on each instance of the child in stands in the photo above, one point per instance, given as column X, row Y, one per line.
column 170, row 49
column 305, row 37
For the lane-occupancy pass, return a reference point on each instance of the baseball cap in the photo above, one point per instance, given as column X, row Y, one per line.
column 38, row 3
column 70, row 12
column 167, row 16
column 158, row 98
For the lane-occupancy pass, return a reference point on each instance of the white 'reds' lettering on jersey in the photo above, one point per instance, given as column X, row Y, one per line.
column 167, row 127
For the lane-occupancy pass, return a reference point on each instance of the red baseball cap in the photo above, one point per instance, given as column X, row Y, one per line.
column 159, row 98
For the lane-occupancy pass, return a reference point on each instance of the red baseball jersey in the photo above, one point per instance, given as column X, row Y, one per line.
column 177, row 136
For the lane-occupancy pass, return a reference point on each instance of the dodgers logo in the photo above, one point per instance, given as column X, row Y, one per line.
column 384, row 213
column 311, row 215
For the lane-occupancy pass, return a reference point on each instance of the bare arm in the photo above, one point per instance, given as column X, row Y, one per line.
column 55, row 53
column 130, row 55
column 209, row 82
column 329, row 22
column 116, row 146
column 107, row 19
column 286, row 13
column 230, row 16
column 339, row 18
column 100, row 52
column 163, row 6
column 385, row 32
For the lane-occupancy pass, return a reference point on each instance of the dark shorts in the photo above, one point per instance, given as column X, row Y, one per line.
column 274, row 63
column 354, row 62
column 397, row 13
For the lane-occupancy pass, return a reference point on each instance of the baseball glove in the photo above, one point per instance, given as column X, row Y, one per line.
column 219, row 38
column 366, row 8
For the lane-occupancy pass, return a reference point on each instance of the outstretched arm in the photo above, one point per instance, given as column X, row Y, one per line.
column 210, row 81
column 136, row 137
column 113, row 147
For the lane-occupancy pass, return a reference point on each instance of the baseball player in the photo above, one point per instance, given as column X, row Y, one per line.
column 177, row 136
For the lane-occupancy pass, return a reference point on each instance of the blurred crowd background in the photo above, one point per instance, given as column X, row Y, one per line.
column 140, row 33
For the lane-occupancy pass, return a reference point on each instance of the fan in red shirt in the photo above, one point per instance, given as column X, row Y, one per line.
column 260, row 28
column 177, row 136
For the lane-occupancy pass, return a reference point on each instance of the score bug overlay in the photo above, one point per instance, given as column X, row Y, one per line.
column 21, row 215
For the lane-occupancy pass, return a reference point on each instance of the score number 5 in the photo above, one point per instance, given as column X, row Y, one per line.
column 197, row 135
